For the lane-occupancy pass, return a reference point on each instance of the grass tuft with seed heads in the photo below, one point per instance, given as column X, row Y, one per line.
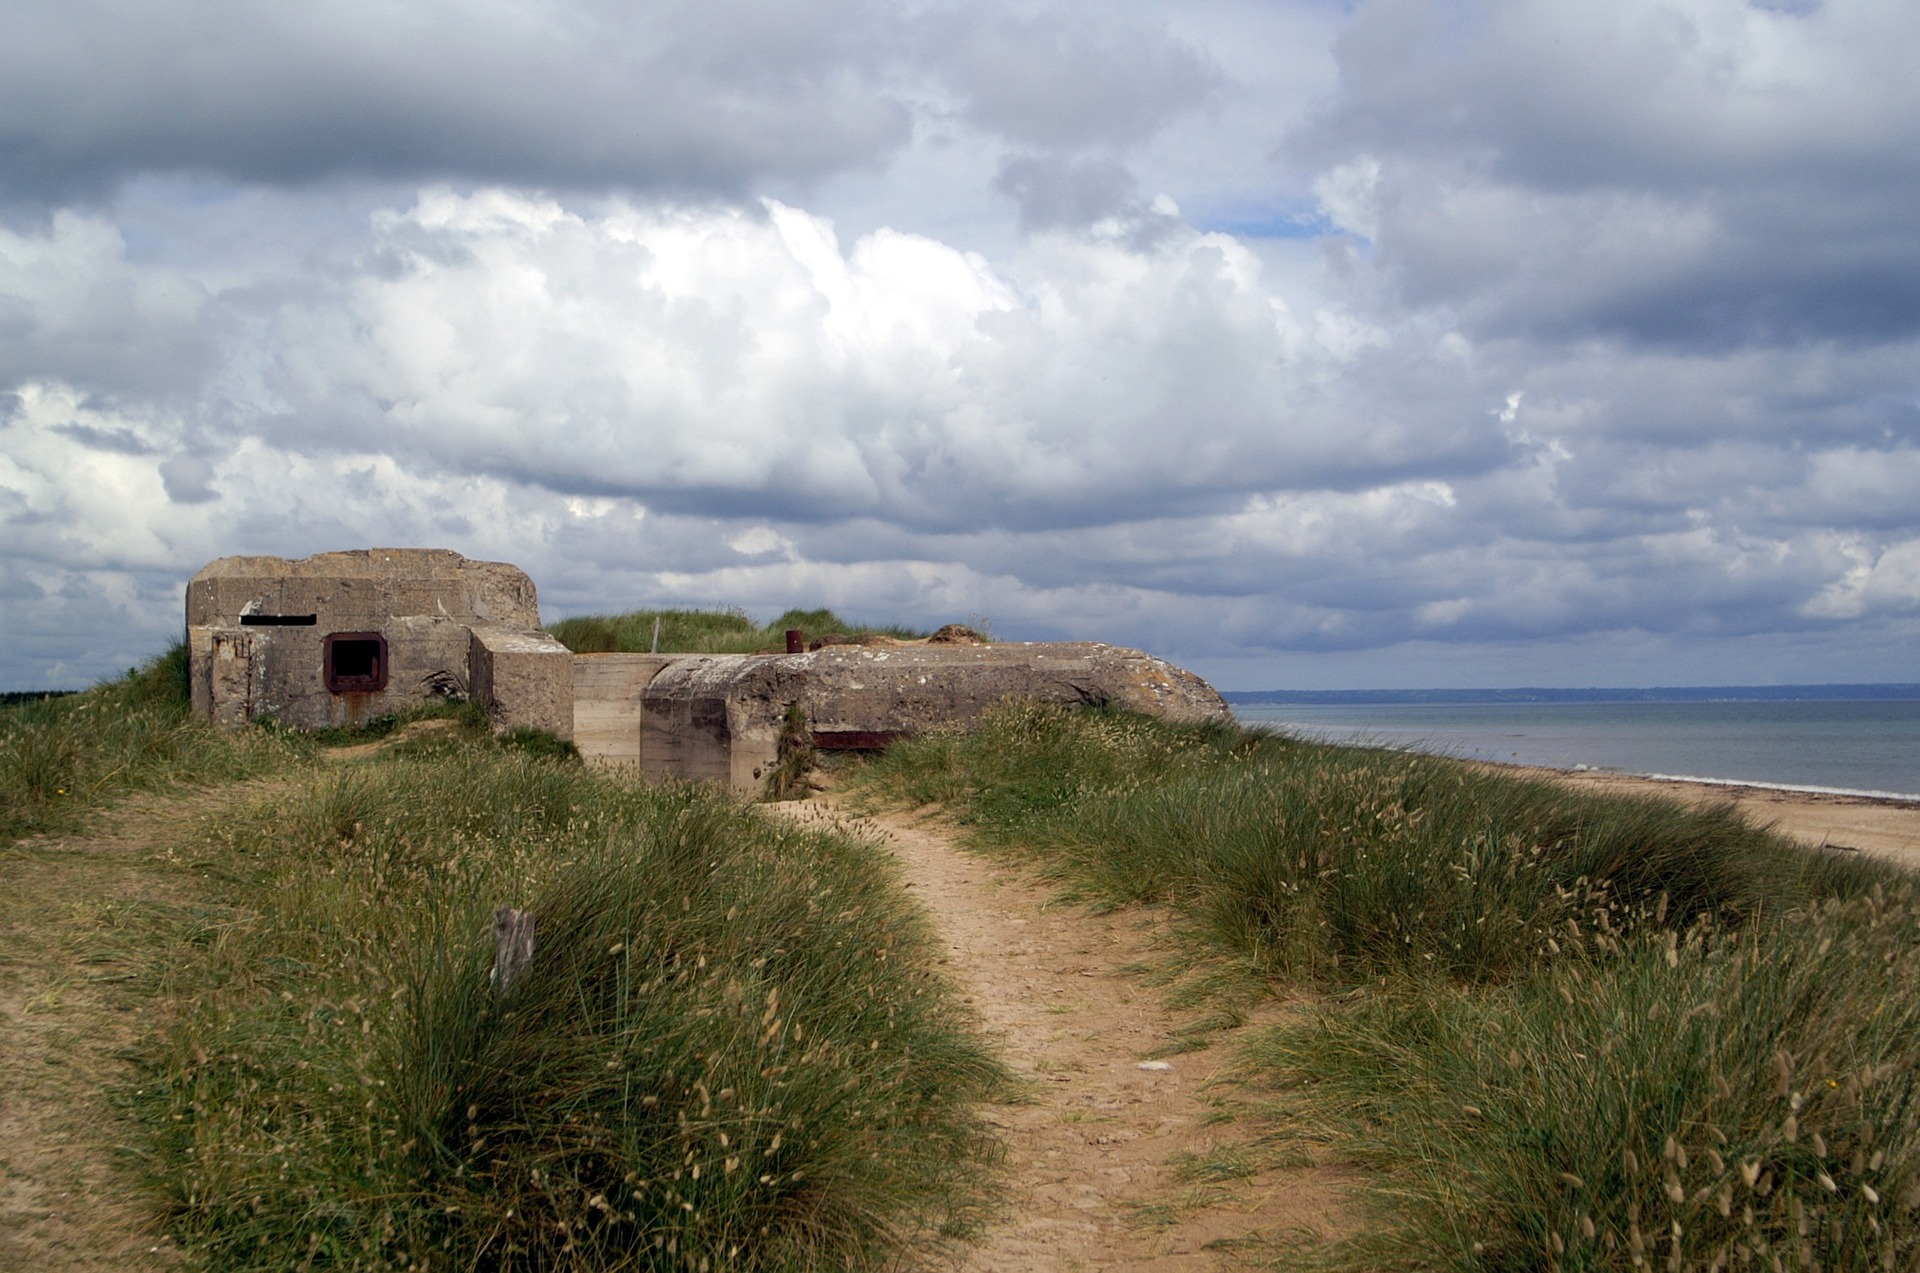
column 61, row 758
column 730, row 1049
column 704, row 631
column 1570, row 1031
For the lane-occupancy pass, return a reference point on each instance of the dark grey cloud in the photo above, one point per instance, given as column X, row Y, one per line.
column 1054, row 191
column 720, row 96
column 1699, row 174
column 583, row 94
column 1066, row 77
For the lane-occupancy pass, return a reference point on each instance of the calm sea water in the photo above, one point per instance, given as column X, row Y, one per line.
column 1842, row 746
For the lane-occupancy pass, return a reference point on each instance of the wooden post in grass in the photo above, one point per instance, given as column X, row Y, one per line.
column 512, row 946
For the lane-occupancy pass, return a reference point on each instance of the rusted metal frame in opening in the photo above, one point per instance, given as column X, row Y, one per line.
column 857, row 739
column 371, row 681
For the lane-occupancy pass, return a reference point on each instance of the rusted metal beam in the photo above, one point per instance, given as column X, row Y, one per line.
column 856, row 739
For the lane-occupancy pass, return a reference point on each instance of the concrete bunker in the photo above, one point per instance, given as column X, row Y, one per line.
column 339, row 638
column 719, row 717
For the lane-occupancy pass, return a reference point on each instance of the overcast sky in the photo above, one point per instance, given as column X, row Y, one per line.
column 1309, row 344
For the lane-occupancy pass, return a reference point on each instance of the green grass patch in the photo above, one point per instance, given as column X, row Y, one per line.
column 1705, row 1100
column 704, row 631
column 1570, row 1030
column 730, row 1049
column 1344, row 864
column 60, row 758
column 468, row 719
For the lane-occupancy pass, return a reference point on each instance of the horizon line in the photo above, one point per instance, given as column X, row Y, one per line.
column 1814, row 691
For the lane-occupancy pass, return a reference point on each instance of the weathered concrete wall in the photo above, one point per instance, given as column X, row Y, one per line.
column 718, row 717
column 257, row 630
column 914, row 687
column 362, row 589
column 523, row 679
column 688, row 722
column 222, row 673
column 426, row 657
column 606, row 704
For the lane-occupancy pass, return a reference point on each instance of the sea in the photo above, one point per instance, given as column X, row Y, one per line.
column 1864, row 746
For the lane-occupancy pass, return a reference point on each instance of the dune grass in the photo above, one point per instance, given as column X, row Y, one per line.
column 1570, row 1030
column 704, row 631
column 1344, row 864
column 60, row 758
column 1701, row 1099
column 730, row 1049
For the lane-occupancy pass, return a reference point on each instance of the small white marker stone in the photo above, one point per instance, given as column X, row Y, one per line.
column 1156, row 1066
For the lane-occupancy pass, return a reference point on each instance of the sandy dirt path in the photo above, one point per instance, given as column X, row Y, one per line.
column 1095, row 1151
column 71, row 961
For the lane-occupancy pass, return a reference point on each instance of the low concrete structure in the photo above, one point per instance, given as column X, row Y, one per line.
column 607, row 693
column 339, row 638
column 719, row 717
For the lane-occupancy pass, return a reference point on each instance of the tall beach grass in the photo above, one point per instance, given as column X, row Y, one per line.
column 1702, row 1100
column 703, row 631
column 1344, row 864
column 1570, row 1030
column 60, row 758
column 731, row 1048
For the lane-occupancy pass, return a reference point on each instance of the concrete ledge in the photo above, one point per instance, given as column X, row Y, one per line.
column 523, row 679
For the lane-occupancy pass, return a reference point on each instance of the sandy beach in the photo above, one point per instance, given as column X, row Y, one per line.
column 1885, row 828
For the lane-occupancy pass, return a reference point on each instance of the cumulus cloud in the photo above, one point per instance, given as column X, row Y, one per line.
column 1575, row 338
column 1667, row 171
column 745, row 360
column 73, row 307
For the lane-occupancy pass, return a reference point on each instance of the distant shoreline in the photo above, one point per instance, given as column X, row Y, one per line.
column 1718, row 741
column 1887, row 827
column 1877, row 692
column 1789, row 788
column 1784, row 789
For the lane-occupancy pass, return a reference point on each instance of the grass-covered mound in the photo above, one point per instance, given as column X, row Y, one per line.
column 703, row 631
column 60, row 757
column 1573, row 1030
column 730, row 1048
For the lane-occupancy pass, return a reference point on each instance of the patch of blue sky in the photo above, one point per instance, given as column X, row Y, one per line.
column 1270, row 223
